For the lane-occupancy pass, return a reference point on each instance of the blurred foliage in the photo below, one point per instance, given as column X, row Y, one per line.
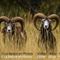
column 22, row 7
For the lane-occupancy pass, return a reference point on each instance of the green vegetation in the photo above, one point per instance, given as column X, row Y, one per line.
column 23, row 7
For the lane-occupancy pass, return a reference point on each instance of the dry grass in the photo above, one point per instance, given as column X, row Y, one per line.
column 31, row 44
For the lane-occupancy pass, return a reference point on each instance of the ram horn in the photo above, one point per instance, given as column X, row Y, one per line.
column 40, row 16
column 56, row 17
column 20, row 20
column 4, row 18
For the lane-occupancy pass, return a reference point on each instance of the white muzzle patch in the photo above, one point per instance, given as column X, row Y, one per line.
column 9, row 29
column 46, row 24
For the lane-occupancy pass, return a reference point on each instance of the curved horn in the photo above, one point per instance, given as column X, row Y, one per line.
column 20, row 20
column 56, row 17
column 3, row 18
column 40, row 16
